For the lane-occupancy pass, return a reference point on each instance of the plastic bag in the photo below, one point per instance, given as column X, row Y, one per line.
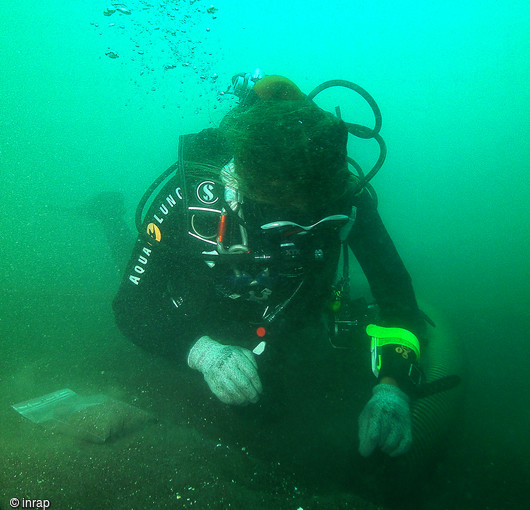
column 94, row 418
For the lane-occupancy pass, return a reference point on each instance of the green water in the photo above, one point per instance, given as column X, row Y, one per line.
column 451, row 79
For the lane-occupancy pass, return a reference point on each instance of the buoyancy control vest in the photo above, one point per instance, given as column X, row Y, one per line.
column 255, row 254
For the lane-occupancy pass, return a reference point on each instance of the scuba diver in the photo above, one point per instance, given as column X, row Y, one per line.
column 239, row 241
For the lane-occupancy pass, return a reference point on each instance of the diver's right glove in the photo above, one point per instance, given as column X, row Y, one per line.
column 386, row 422
column 230, row 371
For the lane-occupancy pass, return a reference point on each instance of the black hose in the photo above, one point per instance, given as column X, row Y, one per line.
column 363, row 130
column 148, row 193
column 379, row 163
column 360, row 131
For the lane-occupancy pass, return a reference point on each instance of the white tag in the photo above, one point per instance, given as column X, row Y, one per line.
column 259, row 348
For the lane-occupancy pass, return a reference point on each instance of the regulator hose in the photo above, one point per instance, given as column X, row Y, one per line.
column 359, row 130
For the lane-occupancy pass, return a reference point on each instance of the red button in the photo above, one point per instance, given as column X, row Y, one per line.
column 261, row 331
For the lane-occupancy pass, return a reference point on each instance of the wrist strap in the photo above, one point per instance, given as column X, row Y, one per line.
column 399, row 337
column 384, row 336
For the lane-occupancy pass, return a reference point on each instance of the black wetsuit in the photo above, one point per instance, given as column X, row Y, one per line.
column 171, row 295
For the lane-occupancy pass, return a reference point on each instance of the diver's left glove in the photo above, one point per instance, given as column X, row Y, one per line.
column 386, row 422
column 230, row 371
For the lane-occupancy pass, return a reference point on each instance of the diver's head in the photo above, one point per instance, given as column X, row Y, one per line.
column 287, row 151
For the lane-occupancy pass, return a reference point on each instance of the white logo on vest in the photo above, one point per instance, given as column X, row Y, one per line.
column 205, row 192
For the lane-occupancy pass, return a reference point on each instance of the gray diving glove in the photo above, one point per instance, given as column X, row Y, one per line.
column 386, row 422
column 230, row 371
